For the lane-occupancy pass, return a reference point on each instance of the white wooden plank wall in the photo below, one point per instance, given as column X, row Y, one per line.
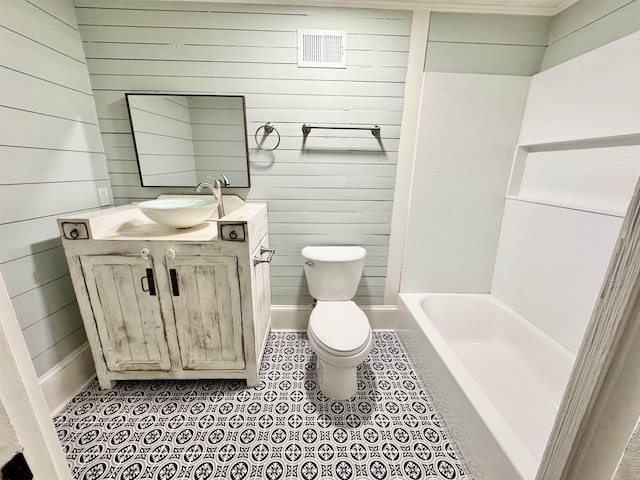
column 337, row 188
column 52, row 164
column 486, row 43
column 587, row 25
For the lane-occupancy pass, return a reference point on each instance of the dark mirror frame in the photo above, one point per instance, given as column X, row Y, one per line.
column 232, row 182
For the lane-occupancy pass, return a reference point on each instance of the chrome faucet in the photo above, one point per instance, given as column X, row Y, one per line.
column 216, row 190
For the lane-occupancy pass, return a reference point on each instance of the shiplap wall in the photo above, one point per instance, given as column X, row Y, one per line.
column 587, row 25
column 489, row 44
column 524, row 45
column 334, row 188
column 52, row 164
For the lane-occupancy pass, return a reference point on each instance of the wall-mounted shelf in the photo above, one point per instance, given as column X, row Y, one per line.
column 375, row 129
column 624, row 139
column 596, row 175
column 569, row 206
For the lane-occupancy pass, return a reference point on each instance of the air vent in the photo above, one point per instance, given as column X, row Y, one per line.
column 322, row 49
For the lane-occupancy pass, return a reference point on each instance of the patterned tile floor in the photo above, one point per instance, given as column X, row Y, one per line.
column 283, row 429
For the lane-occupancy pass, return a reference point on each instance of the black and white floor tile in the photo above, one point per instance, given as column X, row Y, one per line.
column 284, row 428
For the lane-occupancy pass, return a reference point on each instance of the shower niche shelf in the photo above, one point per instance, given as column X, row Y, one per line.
column 596, row 175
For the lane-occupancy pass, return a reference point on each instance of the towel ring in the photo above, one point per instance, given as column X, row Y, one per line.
column 268, row 128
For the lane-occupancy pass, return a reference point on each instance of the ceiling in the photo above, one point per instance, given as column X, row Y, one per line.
column 521, row 7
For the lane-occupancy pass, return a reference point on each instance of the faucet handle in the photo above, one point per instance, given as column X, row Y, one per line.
column 224, row 181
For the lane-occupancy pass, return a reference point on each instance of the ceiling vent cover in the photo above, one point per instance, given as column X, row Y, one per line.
column 322, row 49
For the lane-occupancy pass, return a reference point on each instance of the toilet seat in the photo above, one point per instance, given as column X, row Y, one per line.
column 340, row 328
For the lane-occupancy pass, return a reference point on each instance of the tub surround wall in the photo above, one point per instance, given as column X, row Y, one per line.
column 473, row 100
column 468, row 130
column 550, row 265
column 589, row 97
column 567, row 199
column 335, row 187
column 52, row 164
column 448, row 249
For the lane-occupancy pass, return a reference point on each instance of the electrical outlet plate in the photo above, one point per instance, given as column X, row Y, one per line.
column 103, row 193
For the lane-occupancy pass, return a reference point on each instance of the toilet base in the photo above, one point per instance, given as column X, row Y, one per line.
column 336, row 383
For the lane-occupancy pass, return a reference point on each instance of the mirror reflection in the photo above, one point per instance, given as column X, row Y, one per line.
column 183, row 140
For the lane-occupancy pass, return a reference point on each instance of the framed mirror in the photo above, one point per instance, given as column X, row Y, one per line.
column 183, row 140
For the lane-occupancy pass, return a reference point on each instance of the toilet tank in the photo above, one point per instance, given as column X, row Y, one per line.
column 333, row 273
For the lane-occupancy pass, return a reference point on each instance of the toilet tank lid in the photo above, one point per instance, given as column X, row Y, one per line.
column 334, row 254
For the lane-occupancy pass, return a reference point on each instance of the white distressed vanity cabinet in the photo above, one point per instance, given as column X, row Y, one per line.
column 162, row 303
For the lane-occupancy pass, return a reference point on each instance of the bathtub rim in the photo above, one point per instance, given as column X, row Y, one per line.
column 563, row 350
column 514, row 449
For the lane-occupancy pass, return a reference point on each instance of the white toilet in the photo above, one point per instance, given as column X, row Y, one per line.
column 338, row 330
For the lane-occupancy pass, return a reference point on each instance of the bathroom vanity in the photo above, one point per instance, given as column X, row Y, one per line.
column 165, row 303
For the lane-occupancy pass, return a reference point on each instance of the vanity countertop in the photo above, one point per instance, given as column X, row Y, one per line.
column 127, row 222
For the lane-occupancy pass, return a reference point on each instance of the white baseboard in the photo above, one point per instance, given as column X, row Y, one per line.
column 67, row 378
column 296, row 317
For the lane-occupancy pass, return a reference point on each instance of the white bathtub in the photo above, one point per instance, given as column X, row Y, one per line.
column 496, row 378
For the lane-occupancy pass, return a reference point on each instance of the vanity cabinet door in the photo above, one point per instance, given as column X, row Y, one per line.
column 206, row 304
column 126, row 310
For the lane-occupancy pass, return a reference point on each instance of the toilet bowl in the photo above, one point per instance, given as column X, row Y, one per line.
column 340, row 335
column 339, row 331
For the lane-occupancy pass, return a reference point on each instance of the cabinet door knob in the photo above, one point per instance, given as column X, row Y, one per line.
column 144, row 253
column 170, row 253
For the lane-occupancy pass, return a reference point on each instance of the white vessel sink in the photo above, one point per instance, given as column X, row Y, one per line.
column 231, row 202
column 177, row 212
